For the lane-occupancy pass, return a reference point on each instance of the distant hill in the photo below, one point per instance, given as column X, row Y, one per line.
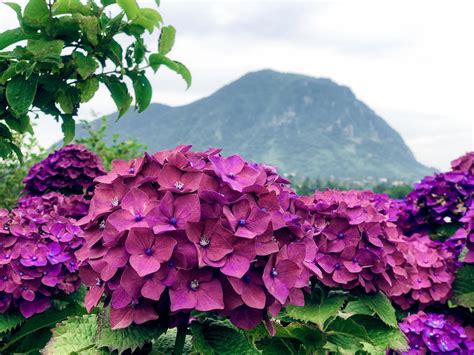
column 305, row 126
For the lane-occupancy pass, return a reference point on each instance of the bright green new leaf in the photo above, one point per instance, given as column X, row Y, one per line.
column 86, row 65
column 119, row 92
column 185, row 73
column 10, row 320
column 148, row 19
column 36, row 14
column 463, row 287
column 62, row 7
column 130, row 7
column 166, row 41
column 143, row 92
column 69, row 128
column 157, row 59
column 317, row 311
column 17, row 8
column 381, row 305
column 88, row 88
column 10, row 37
column 74, row 335
column 21, row 93
column 90, row 26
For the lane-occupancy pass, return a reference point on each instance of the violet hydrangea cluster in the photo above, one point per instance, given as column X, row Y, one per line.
column 182, row 230
column 356, row 242
column 69, row 170
column 430, row 333
column 36, row 259
column 69, row 206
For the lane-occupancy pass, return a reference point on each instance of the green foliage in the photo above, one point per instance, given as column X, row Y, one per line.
column 9, row 321
column 69, row 46
column 165, row 343
column 220, row 337
column 318, row 308
column 381, row 306
column 12, row 174
column 116, row 149
column 463, row 287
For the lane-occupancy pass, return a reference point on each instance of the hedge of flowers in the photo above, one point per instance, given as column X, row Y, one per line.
column 163, row 235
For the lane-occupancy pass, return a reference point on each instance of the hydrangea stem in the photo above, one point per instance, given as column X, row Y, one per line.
column 181, row 337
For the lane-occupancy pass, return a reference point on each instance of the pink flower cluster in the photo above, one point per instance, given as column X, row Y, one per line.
column 36, row 259
column 69, row 170
column 182, row 230
column 72, row 206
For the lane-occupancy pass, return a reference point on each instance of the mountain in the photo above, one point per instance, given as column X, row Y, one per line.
column 305, row 126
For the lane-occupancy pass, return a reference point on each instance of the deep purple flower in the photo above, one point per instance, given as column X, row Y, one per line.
column 234, row 171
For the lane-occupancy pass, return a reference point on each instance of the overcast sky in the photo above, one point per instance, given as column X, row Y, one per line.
column 411, row 61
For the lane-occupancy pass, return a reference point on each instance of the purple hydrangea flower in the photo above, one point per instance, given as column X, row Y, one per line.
column 70, row 170
column 435, row 334
column 182, row 230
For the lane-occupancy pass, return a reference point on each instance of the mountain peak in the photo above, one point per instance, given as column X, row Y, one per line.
column 311, row 127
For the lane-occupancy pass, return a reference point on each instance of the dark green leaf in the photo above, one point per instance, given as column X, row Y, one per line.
column 380, row 304
column 119, row 92
column 39, row 321
column 5, row 132
column 21, row 93
column 10, row 37
column 130, row 7
column 68, row 100
column 36, row 14
column 311, row 337
column 86, row 65
column 10, row 320
column 463, row 287
column 165, row 343
column 114, row 52
column 8, row 74
column 167, row 37
column 90, row 26
column 107, row 2
column 346, row 333
column 26, row 68
column 5, row 148
column 88, row 88
column 143, row 91
column 139, row 51
column 216, row 337
column 69, row 128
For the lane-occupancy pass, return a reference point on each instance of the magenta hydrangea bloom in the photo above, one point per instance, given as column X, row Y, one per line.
column 357, row 244
column 36, row 259
column 72, row 206
column 182, row 230
column 464, row 163
column 435, row 334
column 69, row 170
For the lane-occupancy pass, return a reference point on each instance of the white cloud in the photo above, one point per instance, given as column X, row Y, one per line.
column 409, row 60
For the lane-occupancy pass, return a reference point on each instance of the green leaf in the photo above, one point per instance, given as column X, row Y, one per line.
column 346, row 333
column 106, row 3
column 86, row 65
column 62, row 7
column 90, row 26
column 130, row 7
column 19, row 124
column 317, row 310
column 382, row 336
column 165, row 343
column 5, row 148
column 380, row 304
column 143, row 91
column 157, row 59
column 69, row 128
column 5, row 132
column 67, row 100
column 36, row 14
column 17, row 8
column 357, row 307
column 311, row 337
column 114, row 52
column 119, row 92
column 46, row 51
column 463, row 288
column 21, row 93
column 88, row 88
column 444, row 231
column 74, row 335
column 166, row 41
column 148, row 19
column 17, row 152
column 10, row 37
column 220, row 337
column 25, row 67
column 40, row 321
column 8, row 74
column 185, row 73
column 9, row 321
column 132, row 337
